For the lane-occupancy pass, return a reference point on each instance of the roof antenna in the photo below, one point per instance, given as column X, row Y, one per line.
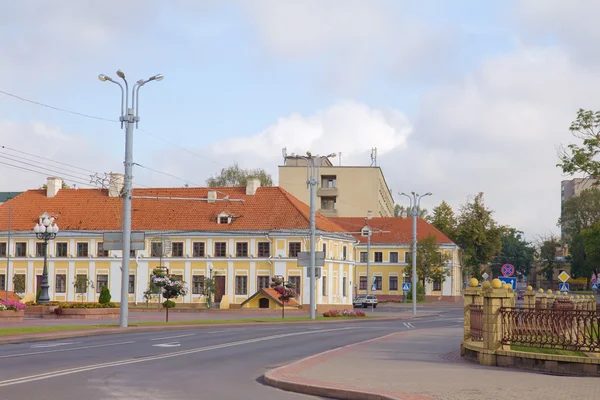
column 374, row 156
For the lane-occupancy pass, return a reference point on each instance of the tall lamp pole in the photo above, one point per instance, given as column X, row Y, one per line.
column 415, row 206
column 312, row 182
column 45, row 230
column 129, row 116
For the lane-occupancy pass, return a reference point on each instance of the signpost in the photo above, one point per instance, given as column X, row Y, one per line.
column 317, row 272
column 485, row 276
column 510, row 280
column 406, row 287
column 304, row 259
column 563, row 287
column 594, row 286
column 563, row 276
column 114, row 240
column 507, row 270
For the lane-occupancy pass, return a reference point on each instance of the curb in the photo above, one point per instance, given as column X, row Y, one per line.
column 277, row 378
column 43, row 336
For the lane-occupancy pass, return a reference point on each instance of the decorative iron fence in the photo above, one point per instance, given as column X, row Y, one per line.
column 476, row 322
column 565, row 329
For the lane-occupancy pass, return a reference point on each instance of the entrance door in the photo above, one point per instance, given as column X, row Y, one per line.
column 263, row 303
column 220, row 288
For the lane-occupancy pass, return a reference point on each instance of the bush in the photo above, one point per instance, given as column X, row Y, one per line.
column 11, row 306
column 420, row 294
column 169, row 304
column 104, row 295
column 87, row 305
column 344, row 313
column 38, row 294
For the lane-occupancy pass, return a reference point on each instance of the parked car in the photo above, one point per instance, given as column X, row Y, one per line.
column 365, row 301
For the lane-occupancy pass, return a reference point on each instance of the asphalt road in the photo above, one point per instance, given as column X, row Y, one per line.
column 202, row 363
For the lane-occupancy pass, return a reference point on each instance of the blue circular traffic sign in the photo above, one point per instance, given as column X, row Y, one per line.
column 508, row 270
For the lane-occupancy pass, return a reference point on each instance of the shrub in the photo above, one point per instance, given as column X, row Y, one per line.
column 169, row 304
column 344, row 313
column 37, row 295
column 87, row 305
column 104, row 295
column 11, row 306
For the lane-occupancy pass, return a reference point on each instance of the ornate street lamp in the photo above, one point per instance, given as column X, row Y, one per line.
column 45, row 230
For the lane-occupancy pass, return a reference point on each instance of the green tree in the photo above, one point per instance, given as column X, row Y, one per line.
column 444, row 219
column 478, row 235
column 398, row 210
column 430, row 261
column 104, row 295
column 81, row 284
column 19, row 284
column 516, row 251
column 583, row 157
column 548, row 257
column 591, row 244
column 236, row 176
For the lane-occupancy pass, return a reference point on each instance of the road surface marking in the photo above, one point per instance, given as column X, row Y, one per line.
column 172, row 344
column 37, row 346
column 221, row 331
column 61, row 350
column 409, row 325
column 70, row 371
column 173, row 337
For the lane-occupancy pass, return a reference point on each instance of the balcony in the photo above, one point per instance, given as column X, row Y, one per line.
column 328, row 212
column 327, row 191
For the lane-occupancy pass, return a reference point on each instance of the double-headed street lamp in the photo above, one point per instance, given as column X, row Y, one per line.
column 415, row 206
column 45, row 230
column 129, row 116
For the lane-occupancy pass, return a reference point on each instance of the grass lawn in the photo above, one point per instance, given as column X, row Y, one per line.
column 542, row 350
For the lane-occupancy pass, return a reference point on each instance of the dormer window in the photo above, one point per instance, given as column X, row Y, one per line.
column 224, row 218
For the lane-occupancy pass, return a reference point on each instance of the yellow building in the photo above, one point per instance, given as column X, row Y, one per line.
column 343, row 191
column 240, row 236
column 390, row 258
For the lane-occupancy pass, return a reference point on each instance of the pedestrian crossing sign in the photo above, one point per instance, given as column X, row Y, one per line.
column 406, row 287
column 563, row 287
column 594, row 286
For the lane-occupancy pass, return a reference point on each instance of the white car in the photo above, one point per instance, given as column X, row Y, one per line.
column 365, row 301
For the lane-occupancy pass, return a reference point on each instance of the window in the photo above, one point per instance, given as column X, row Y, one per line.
column 39, row 249
column 393, row 283
column 197, row 284
column 324, row 279
column 61, row 283
column 61, row 249
column 156, row 249
column 363, row 256
column 3, row 249
column 224, row 220
column 100, row 252
column 177, row 277
column 344, row 286
column 394, row 257
column 241, row 249
column 295, row 280
column 263, row 282
column 344, row 253
column 407, row 257
column 241, row 285
column 131, row 284
column 437, row 285
column 2, row 282
column 220, row 249
column 363, row 283
column 264, row 249
column 325, row 250
column 101, row 281
column 407, row 279
column 132, row 253
column 177, row 249
column 294, row 248
column 378, row 283
column 20, row 249
column 82, row 249
column 328, row 181
column 198, row 249
column 378, row 256
column 328, row 203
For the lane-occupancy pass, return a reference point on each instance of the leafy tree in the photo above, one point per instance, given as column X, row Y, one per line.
column 478, row 235
column 430, row 261
column 580, row 212
column 548, row 257
column 398, row 210
column 19, row 284
column 210, row 288
column 81, row 284
column 236, row 176
column 583, row 157
column 516, row 251
column 443, row 218
column 171, row 287
column 286, row 290
column 104, row 295
column 591, row 244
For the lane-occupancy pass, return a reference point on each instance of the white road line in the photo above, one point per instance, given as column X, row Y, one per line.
column 221, row 331
column 409, row 325
column 61, row 350
column 38, row 346
column 174, row 337
column 70, row 371
column 172, row 344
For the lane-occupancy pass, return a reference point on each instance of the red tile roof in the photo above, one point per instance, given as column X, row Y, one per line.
column 11, row 296
column 271, row 208
column 273, row 295
column 396, row 230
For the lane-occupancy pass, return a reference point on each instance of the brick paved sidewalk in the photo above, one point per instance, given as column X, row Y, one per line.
column 421, row 365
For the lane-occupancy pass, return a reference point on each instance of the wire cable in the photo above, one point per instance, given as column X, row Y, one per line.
column 43, row 173
column 47, row 159
column 167, row 174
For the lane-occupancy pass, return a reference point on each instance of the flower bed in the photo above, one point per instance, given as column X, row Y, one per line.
column 11, row 311
column 344, row 313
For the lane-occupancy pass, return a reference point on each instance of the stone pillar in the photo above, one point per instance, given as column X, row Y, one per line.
column 472, row 296
column 494, row 298
column 529, row 297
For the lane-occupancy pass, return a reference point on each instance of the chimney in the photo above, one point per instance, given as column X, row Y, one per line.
column 251, row 186
column 212, row 196
column 115, row 184
column 53, row 185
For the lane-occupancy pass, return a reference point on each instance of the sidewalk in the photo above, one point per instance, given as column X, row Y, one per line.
column 419, row 365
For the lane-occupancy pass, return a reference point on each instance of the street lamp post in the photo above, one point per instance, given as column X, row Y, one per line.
column 45, row 230
column 312, row 182
column 415, row 204
column 368, row 232
column 129, row 116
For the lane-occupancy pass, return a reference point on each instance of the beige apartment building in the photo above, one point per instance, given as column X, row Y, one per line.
column 343, row 191
column 574, row 187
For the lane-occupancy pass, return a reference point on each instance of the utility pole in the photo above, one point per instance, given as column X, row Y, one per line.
column 7, row 279
column 415, row 206
column 129, row 116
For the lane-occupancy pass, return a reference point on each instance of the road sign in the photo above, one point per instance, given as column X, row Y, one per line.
column 373, row 288
column 406, row 287
column 485, row 276
column 510, row 280
column 304, row 258
column 563, row 276
column 317, row 272
column 563, row 287
column 594, row 286
column 114, row 241
column 508, row 270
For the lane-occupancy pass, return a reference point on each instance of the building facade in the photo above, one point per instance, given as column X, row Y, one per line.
column 241, row 237
column 343, row 191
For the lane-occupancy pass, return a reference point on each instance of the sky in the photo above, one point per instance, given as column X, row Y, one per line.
column 458, row 97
